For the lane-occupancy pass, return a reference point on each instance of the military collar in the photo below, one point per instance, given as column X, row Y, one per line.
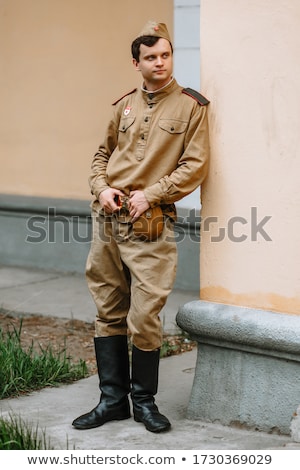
column 159, row 89
column 156, row 95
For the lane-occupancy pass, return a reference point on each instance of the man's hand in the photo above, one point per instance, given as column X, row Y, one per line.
column 137, row 204
column 107, row 201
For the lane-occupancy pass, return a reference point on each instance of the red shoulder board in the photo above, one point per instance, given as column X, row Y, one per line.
column 194, row 94
column 130, row 92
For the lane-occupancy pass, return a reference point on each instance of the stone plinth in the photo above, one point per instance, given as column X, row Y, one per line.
column 248, row 365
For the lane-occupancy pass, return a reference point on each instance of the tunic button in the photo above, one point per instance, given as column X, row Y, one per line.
column 146, row 119
column 172, row 129
column 150, row 105
column 142, row 137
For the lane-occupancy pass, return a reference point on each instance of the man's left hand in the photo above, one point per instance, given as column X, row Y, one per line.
column 137, row 204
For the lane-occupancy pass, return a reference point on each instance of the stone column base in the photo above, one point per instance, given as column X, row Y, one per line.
column 248, row 366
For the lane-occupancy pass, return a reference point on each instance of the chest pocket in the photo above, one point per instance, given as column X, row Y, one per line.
column 173, row 126
column 125, row 123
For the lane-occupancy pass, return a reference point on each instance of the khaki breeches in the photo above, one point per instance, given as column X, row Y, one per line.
column 130, row 279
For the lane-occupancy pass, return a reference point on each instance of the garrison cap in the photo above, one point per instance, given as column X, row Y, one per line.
column 159, row 30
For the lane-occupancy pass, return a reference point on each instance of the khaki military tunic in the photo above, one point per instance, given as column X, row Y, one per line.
column 156, row 142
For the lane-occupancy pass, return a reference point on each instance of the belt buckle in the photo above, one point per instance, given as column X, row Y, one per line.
column 122, row 202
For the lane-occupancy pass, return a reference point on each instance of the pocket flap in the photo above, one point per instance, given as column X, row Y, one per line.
column 173, row 126
column 125, row 123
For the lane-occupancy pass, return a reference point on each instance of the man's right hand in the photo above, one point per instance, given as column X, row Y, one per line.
column 107, row 199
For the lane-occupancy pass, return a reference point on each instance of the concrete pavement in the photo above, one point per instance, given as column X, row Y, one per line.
column 53, row 409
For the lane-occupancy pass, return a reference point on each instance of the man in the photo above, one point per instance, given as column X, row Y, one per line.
column 155, row 152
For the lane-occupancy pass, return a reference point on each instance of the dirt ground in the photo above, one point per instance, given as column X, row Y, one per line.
column 75, row 336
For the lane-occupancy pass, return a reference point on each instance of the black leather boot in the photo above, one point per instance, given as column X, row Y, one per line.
column 144, row 386
column 113, row 369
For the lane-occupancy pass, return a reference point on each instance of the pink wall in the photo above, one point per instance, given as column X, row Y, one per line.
column 63, row 62
column 250, row 70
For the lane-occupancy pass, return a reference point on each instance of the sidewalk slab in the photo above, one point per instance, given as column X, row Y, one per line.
column 54, row 409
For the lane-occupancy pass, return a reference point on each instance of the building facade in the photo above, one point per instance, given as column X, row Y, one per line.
column 63, row 62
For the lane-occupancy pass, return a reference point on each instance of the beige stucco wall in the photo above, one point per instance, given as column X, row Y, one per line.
column 62, row 63
column 251, row 72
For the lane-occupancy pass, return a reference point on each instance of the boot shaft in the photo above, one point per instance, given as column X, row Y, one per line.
column 113, row 364
column 145, row 366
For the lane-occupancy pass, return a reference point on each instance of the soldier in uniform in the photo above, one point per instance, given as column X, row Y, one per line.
column 155, row 151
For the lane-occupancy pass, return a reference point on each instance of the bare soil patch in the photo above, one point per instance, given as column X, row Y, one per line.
column 73, row 336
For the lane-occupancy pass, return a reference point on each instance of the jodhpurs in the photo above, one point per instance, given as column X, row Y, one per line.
column 130, row 279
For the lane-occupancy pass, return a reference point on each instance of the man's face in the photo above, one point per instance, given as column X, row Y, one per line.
column 155, row 64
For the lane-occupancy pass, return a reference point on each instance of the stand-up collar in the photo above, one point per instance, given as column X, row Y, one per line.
column 157, row 95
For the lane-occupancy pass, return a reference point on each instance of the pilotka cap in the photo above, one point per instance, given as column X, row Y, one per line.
column 159, row 30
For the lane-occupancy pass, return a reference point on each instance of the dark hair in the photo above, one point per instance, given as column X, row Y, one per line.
column 147, row 41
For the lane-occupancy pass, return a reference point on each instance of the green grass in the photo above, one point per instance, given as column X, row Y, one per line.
column 18, row 435
column 23, row 371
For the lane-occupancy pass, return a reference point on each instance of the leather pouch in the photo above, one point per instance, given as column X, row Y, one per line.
column 150, row 224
